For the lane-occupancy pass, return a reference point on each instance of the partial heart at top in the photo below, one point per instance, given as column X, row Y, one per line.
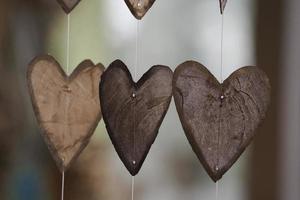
column 139, row 7
column 68, row 5
column 222, row 5
column 67, row 108
column 220, row 119
column 133, row 112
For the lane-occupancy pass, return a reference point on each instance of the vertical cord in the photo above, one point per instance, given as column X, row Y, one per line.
column 68, row 64
column 221, row 98
column 62, row 185
column 222, row 39
column 137, row 49
column 132, row 188
column 222, row 95
column 217, row 190
column 68, row 44
column 134, row 95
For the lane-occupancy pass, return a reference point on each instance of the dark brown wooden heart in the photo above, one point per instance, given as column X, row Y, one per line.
column 222, row 5
column 139, row 7
column 133, row 112
column 220, row 120
column 67, row 107
column 68, row 5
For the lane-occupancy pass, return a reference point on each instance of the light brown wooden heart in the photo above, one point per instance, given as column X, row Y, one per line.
column 68, row 5
column 67, row 108
column 139, row 7
column 133, row 112
column 220, row 120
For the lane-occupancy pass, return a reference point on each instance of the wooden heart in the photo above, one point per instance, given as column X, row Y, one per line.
column 133, row 112
column 220, row 120
column 68, row 5
column 222, row 5
column 67, row 107
column 139, row 7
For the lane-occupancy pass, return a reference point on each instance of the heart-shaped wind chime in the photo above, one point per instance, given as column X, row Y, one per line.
column 219, row 119
column 67, row 107
column 133, row 112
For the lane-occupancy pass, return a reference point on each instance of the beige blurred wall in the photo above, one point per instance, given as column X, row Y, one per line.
column 289, row 157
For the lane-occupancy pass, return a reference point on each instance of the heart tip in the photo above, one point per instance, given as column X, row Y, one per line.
column 222, row 6
column 222, row 11
column 67, row 10
column 138, row 17
column 216, row 178
column 133, row 173
column 216, row 175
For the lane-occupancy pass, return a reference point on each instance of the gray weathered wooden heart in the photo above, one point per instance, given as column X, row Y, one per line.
column 133, row 112
column 222, row 5
column 68, row 5
column 67, row 107
column 220, row 120
column 139, row 7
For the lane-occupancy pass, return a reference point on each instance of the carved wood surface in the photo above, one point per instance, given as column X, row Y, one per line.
column 139, row 7
column 67, row 107
column 220, row 119
column 68, row 5
column 133, row 112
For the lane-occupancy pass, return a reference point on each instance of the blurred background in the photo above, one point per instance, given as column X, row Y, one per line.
column 264, row 33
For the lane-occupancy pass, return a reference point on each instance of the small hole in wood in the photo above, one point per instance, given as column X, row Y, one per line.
column 222, row 97
column 66, row 89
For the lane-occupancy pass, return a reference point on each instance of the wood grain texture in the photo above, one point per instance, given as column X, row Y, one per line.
column 68, row 5
column 67, row 107
column 139, row 7
column 220, row 119
column 133, row 112
column 222, row 5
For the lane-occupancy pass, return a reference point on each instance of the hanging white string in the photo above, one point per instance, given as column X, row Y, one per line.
column 222, row 97
column 221, row 50
column 137, row 48
column 68, row 64
column 134, row 95
column 68, row 44
column 62, row 185
column 217, row 190
column 132, row 188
